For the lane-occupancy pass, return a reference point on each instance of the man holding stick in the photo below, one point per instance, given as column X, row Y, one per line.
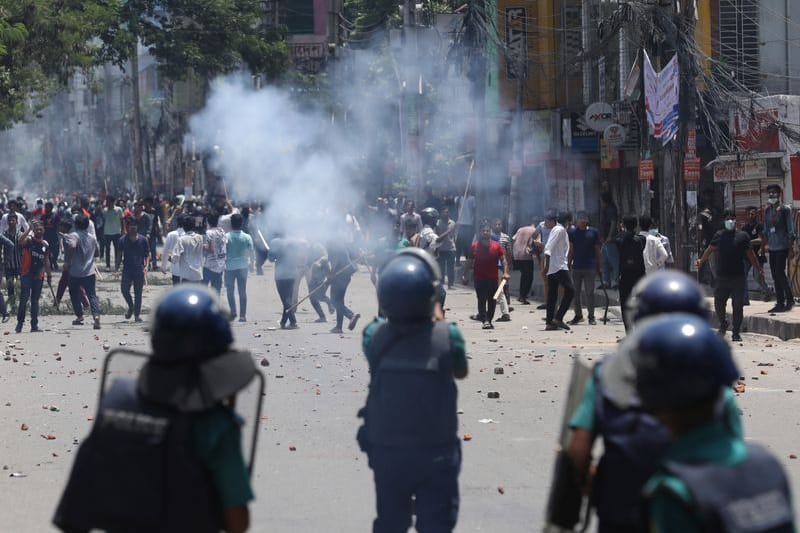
column 483, row 262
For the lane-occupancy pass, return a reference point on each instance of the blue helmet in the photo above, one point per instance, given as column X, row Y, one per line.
column 408, row 284
column 189, row 324
column 679, row 361
column 667, row 291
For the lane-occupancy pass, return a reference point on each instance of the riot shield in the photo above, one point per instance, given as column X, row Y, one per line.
column 131, row 364
column 566, row 495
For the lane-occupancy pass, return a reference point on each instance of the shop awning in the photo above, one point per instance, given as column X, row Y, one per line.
column 749, row 156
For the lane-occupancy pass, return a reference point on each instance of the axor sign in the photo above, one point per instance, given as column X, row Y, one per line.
column 599, row 116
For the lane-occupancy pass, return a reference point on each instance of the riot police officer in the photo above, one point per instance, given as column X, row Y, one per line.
column 164, row 453
column 709, row 479
column 410, row 418
column 633, row 440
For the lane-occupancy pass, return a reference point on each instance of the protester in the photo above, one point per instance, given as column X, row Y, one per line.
column 79, row 252
column 585, row 261
column 482, row 264
column 135, row 252
column 779, row 240
column 239, row 254
column 556, row 253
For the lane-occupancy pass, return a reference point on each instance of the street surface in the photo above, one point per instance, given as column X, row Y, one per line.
column 310, row 475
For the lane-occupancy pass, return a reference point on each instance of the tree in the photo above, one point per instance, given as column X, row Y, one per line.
column 41, row 44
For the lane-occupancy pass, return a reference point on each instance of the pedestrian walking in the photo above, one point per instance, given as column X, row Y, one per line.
column 733, row 249
column 654, row 254
column 523, row 260
column 135, row 252
column 755, row 230
column 709, row 479
column 165, row 451
column 584, row 260
column 556, row 253
column 239, row 255
column 79, row 252
column 12, row 259
column 343, row 266
column 482, row 264
column 446, row 229
column 286, row 255
column 170, row 242
column 410, row 421
column 188, row 254
column 537, row 244
column 778, row 240
column 319, row 269
column 631, row 262
column 609, row 224
column 215, row 250
column 112, row 216
column 34, row 266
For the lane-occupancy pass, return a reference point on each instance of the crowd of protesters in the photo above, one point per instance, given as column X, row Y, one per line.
column 214, row 242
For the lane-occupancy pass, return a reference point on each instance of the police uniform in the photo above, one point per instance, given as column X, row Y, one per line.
column 712, row 481
column 709, row 480
column 164, row 453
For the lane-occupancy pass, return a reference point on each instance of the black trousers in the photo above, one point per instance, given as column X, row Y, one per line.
column 562, row 278
column 484, row 290
column 525, row 267
column 626, row 283
column 286, row 293
column 730, row 287
column 135, row 279
column 777, row 266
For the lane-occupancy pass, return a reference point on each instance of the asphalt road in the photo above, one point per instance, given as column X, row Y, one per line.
column 309, row 474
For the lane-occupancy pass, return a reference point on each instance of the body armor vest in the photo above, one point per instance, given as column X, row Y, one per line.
column 412, row 394
column 136, row 472
column 749, row 497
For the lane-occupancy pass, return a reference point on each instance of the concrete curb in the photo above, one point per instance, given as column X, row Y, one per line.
column 757, row 323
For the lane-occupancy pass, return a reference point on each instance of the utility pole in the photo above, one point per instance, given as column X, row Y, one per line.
column 138, row 166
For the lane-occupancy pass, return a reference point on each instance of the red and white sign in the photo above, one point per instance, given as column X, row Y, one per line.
column 754, row 169
column 691, row 169
column 647, row 170
column 691, row 142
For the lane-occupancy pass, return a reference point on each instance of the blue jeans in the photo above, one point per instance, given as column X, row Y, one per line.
column 447, row 263
column 430, row 475
column 286, row 294
column 88, row 285
column 212, row 278
column 610, row 267
column 237, row 277
column 30, row 289
column 137, row 280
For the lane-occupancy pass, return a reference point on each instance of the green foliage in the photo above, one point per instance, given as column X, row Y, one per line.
column 201, row 38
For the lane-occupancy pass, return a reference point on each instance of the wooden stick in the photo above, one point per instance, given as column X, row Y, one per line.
column 466, row 190
column 499, row 290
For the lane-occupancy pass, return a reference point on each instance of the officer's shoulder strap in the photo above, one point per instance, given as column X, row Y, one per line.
column 441, row 340
column 383, row 337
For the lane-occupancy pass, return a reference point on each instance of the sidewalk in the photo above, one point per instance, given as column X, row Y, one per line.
column 785, row 326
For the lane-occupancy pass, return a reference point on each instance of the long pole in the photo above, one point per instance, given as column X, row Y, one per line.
column 138, row 167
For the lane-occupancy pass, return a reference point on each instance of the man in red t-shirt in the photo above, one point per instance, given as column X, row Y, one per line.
column 483, row 260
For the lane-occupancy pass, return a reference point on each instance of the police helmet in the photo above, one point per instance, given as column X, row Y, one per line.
column 667, row 291
column 679, row 361
column 429, row 216
column 408, row 284
column 189, row 323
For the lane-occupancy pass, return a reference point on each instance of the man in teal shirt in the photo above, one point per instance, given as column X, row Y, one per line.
column 239, row 251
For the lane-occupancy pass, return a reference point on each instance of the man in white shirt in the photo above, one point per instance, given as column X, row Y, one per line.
column 22, row 224
column 556, row 253
column 166, row 254
column 654, row 254
column 188, row 254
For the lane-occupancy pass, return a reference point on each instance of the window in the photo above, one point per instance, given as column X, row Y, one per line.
column 738, row 41
column 300, row 16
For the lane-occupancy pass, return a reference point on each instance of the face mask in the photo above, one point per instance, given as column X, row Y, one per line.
column 653, row 232
column 772, row 201
column 730, row 224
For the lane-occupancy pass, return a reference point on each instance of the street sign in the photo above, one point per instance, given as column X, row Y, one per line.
column 691, row 169
column 599, row 115
column 614, row 135
column 646, row 170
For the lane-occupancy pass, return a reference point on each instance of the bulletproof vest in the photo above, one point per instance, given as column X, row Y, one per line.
column 633, row 444
column 748, row 497
column 412, row 393
column 136, row 472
